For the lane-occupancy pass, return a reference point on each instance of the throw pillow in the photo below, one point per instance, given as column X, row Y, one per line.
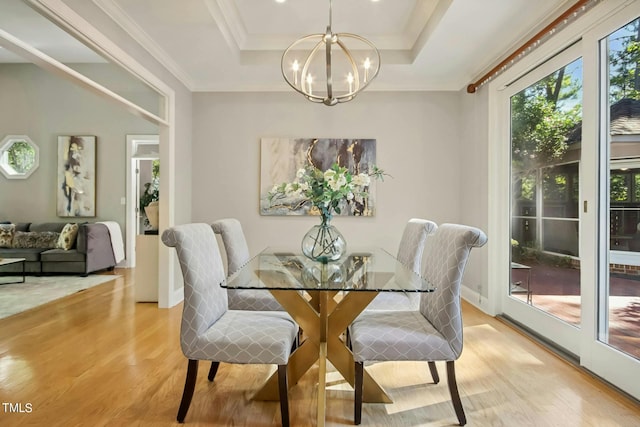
column 68, row 236
column 35, row 239
column 23, row 226
column 6, row 235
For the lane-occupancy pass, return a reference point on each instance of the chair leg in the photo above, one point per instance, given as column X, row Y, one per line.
column 213, row 370
column 189, row 387
column 434, row 372
column 453, row 390
column 357, row 387
column 283, row 389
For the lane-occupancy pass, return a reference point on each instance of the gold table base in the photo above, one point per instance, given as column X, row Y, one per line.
column 323, row 320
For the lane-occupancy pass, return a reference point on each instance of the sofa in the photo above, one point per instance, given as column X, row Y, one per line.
column 56, row 247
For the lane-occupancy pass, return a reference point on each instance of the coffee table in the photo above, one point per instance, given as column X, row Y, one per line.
column 7, row 261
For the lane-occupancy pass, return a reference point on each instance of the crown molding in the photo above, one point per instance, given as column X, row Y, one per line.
column 249, row 48
column 122, row 19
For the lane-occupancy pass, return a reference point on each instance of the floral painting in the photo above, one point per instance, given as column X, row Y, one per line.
column 76, row 181
column 282, row 159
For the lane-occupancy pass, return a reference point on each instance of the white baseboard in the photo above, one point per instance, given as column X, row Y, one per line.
column 123, row 264
column 475, row 299
column 176, row 297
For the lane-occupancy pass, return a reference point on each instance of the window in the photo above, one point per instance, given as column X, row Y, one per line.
column 18, row 157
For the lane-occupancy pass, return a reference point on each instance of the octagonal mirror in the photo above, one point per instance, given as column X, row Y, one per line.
column 19, row 156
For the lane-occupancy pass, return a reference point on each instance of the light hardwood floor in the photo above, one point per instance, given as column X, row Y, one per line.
column 99, row 359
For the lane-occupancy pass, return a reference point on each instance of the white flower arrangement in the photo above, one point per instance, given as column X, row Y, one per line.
column 326, row 190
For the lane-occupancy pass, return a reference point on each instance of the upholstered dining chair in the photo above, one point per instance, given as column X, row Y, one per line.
column 210, row 331
column 410, row 253
column 434, row 333
column 237, row 250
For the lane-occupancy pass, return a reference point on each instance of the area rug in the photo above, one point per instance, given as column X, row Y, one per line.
column 18, row 297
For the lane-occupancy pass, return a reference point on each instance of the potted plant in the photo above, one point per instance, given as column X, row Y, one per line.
column 516, row 250
column 150, row 196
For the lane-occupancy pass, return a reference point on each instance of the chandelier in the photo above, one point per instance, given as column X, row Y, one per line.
column 323, row 69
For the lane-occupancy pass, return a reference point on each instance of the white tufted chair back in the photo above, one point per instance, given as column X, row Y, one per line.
column 412, row 242
column 235, row 243
column 410, row 253
column 210, row 330
column 205, row 301
column 446, row 255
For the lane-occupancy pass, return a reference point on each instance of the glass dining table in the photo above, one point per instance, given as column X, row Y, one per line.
column 324, row 298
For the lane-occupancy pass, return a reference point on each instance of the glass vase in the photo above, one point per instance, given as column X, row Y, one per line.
column 324, row 243
column 325, row 275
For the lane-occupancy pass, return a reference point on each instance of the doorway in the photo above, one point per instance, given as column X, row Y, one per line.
column 143, row 154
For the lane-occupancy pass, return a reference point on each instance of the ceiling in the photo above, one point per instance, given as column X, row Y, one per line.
column 236, row 45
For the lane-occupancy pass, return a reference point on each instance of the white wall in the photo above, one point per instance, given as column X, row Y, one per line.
column 44, row 106
column 418, row 143
column 474, row 187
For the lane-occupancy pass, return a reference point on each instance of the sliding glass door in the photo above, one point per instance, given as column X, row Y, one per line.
column 574, row 166
column 545, row 148
column 619, row 324
column 613, row 351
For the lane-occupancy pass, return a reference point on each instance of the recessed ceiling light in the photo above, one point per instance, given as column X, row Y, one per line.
column 280, row 1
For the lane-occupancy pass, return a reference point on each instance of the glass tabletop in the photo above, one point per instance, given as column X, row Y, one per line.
column 367, row 270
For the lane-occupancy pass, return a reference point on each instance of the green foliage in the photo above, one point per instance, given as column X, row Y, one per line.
column 151, row 189
column 542, row 117
column 546, row 111
column 378, row 173
column 624, row 61
column 528, row 187
column 554, row 186
column 150, row 194
column 619, row 188
column 535, row 255
column 21, row 156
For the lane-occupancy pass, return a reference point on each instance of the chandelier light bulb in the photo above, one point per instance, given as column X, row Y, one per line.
column 350, row 81
column 295, row 67
column 367, row 65
column 325, row 56
column 309, row 84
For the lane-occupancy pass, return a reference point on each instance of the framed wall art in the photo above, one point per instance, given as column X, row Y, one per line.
column 76, row 182
column 282, row 158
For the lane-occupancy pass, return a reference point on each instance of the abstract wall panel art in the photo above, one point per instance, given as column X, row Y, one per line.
column 281, row 158
column 76, row 180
